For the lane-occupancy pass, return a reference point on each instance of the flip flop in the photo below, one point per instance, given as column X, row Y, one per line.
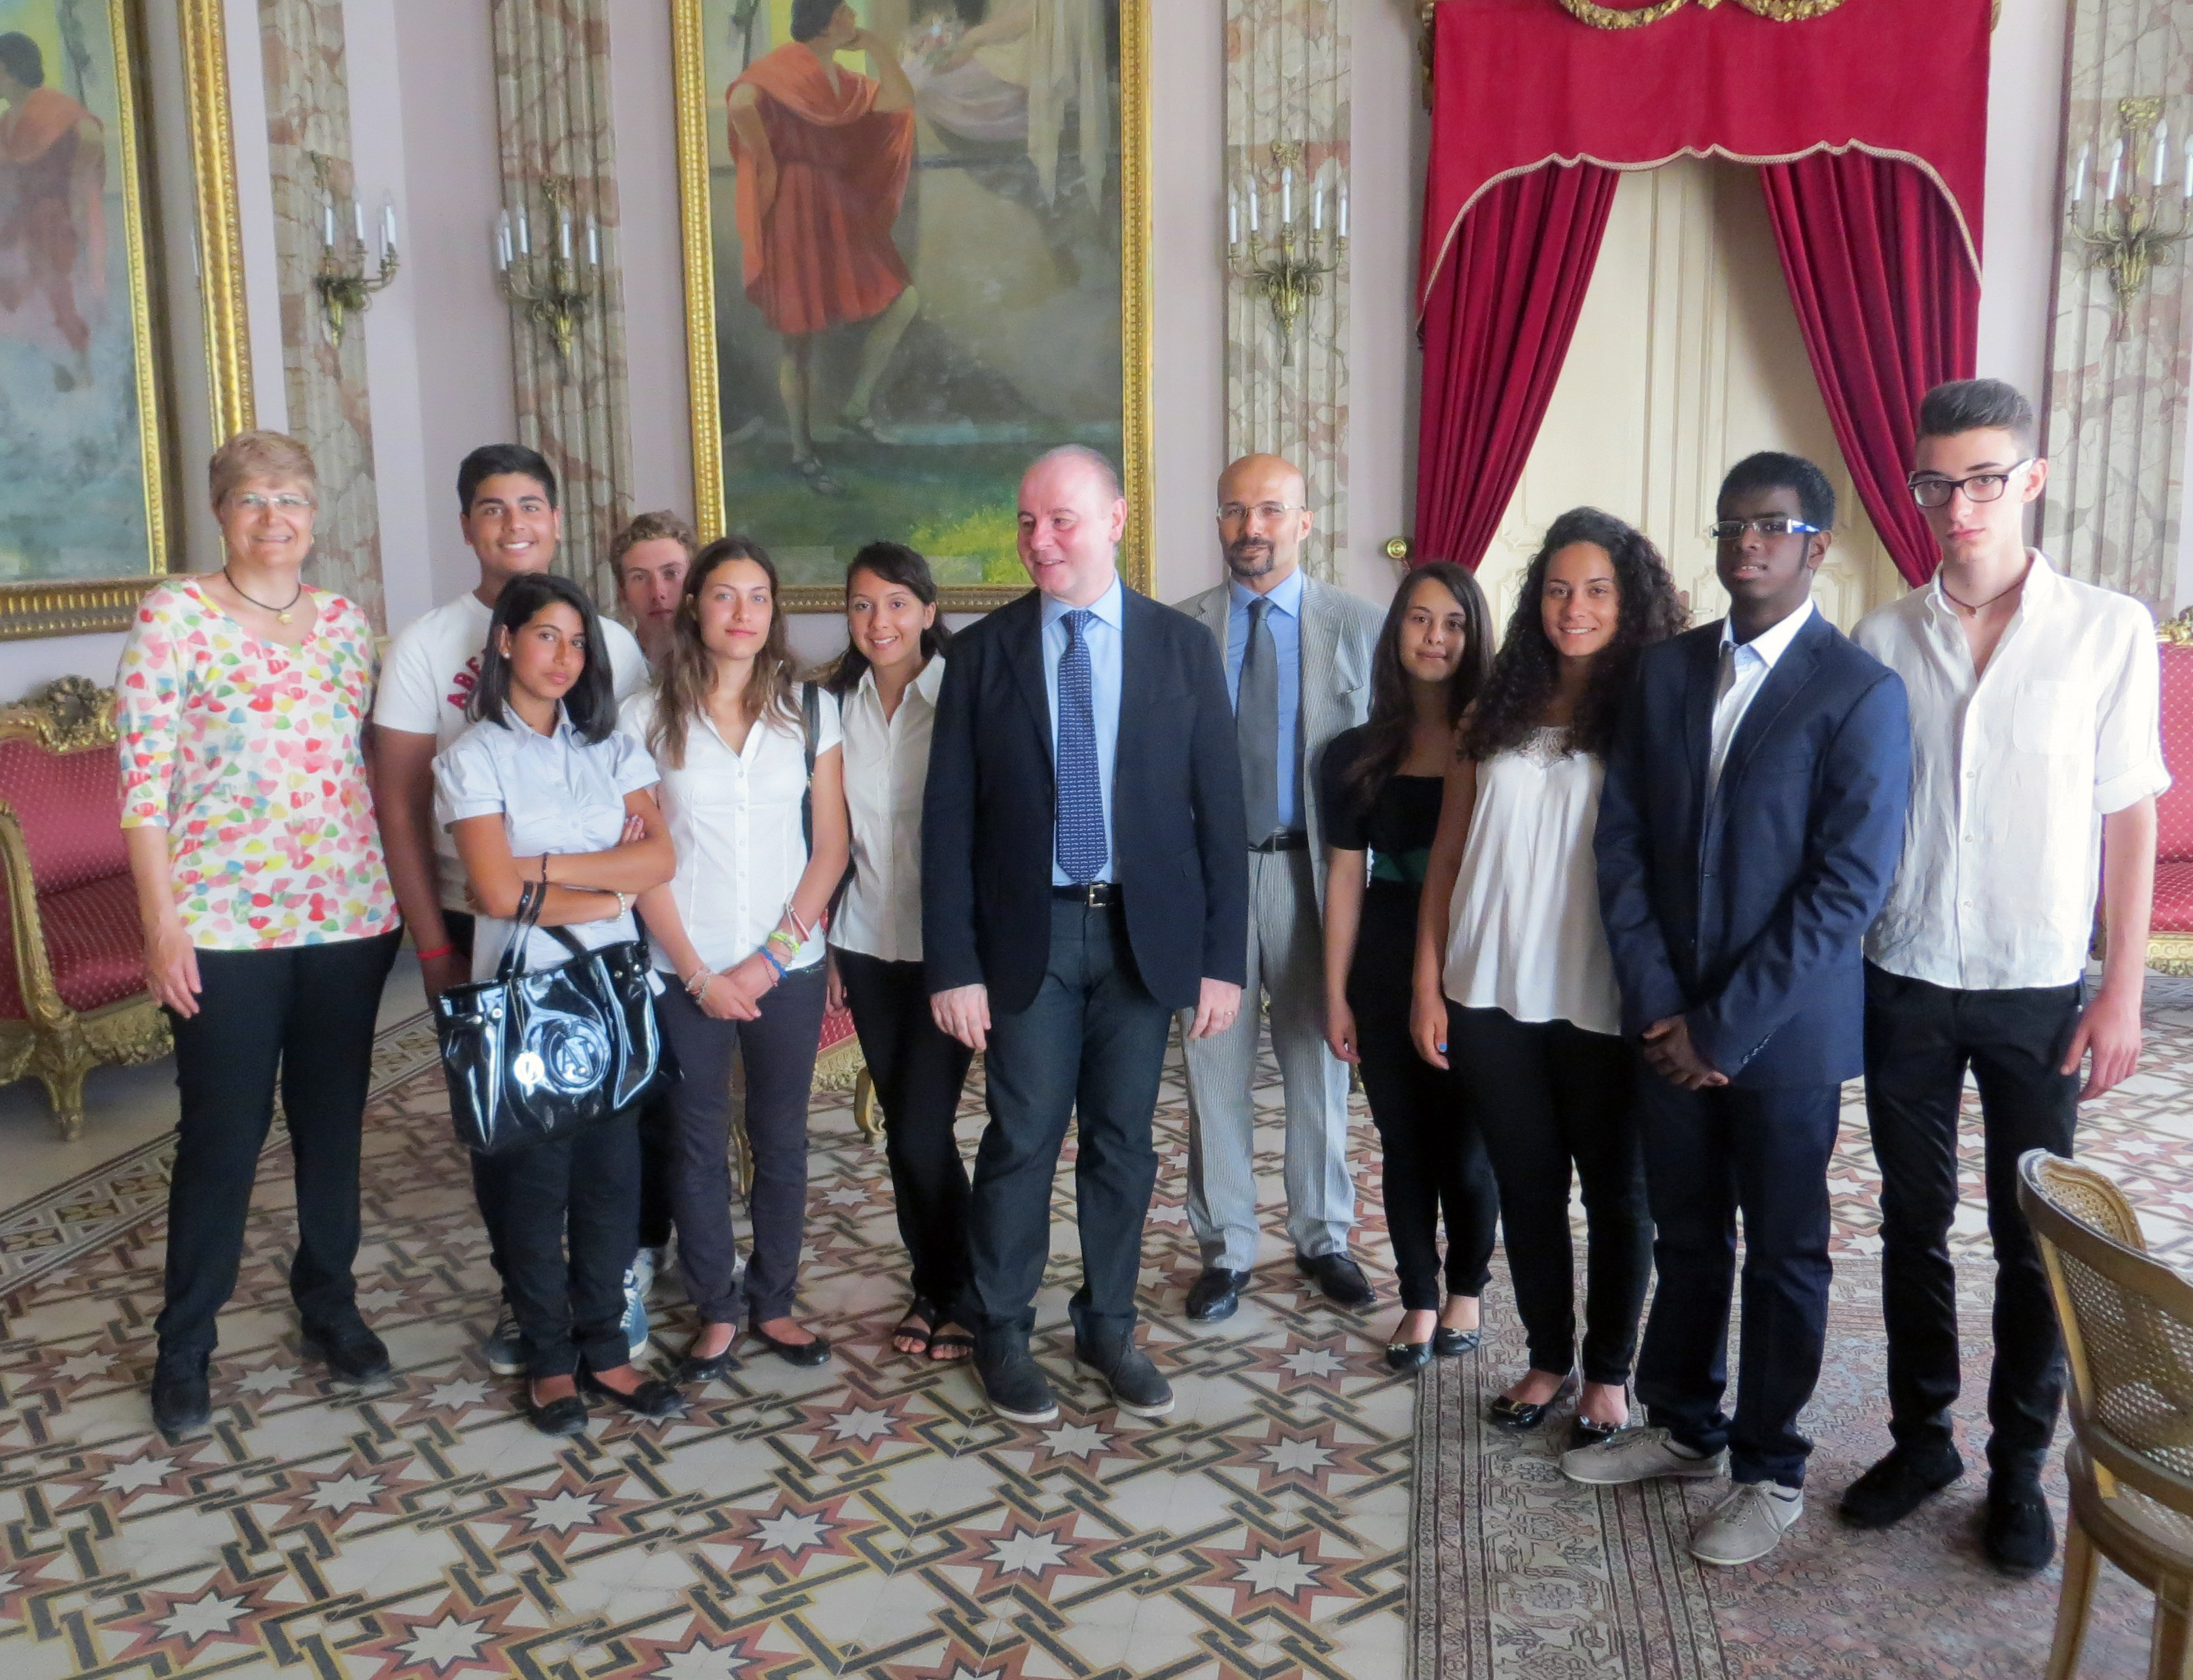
column 956, row 1345
column 919, row 1310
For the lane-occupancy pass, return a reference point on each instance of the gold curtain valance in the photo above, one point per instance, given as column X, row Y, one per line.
column 1610, row 17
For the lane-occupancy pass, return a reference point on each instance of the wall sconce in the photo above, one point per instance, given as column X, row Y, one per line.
column 1284, row 267
column 344, row 286
column 2129, row 237
column 555, row 289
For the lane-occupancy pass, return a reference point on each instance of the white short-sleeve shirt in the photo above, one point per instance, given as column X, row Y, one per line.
column 736, row 819
column 428, row 679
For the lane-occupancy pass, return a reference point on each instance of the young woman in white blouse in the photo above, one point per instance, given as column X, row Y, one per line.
column 886, row 686
column 737, row 932
column 1514, row 985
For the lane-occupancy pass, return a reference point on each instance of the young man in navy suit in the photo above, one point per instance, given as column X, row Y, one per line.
column 1749, row 827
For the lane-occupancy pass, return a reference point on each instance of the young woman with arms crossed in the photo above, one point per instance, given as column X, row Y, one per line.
column 737, row 934
column 1515, row 986
column 1382, row 791
column 543, row 799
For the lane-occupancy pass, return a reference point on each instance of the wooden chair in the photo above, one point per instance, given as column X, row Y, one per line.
column 2127, row 1322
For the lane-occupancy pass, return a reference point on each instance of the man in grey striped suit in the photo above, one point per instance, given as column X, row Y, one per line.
column 1297, row 657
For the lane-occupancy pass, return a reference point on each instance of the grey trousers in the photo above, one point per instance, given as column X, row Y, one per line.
column 1287, row 964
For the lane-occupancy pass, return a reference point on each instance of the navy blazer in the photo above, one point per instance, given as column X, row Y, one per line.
column 1747, row 918
column 1180, row 847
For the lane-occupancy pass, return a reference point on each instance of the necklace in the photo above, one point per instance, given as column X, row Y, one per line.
column 1991, row 600
column 283, row 614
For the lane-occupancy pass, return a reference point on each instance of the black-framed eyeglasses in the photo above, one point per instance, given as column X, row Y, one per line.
column 1931, row 490
column 1766, row 524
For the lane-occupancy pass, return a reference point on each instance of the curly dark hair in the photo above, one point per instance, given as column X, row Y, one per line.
column 1392, row 718
column 1516, row 695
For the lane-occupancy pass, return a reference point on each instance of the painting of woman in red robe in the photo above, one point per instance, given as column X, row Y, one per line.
column 52, row 234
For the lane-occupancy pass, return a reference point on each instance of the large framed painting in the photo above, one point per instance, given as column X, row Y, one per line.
column 89, row 514
column 917, row 256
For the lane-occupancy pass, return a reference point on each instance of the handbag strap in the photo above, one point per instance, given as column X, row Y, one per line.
column 513, row 953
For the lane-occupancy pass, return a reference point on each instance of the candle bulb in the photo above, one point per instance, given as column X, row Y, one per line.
column 593, row 244
column 2079, row 175
column 1317, row 209
column 2161, row 154
column 1287, row 198
column 328, row 224
column 524, row 231
column 1343, row 229
column 388, row 225
column 358, row 221
column 1232, row 221
column 2185, row 191
column 1255, row 213
column 2116, row 168
column 502, row 241
column 563, row 235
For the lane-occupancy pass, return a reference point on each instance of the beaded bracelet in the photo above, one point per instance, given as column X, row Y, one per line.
column 697, row 981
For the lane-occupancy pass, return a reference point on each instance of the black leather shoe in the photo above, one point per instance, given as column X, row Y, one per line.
column 567, row 1416
column 695, row 1368
column 2018, row 1535
column 805, row 1354
column 1517, row 1415
column 182, row 1397
column 1338, row 1279
column 1583, row 1432
column 651, row 1399
column 1407, row 1358
column 1898, row 1486
column 352, row 1353
column 1014, row 1384
column 1449, row 1343
column 1137, row 1387
column 1216, row 1294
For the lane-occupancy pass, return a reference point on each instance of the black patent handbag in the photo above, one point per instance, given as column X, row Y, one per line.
column 533, row 1054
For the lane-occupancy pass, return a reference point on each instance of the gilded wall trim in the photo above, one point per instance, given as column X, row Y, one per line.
column 220, row 227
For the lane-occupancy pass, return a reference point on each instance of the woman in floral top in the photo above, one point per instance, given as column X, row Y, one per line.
column 269, row 922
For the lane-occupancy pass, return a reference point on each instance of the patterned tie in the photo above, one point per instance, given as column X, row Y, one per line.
column 1083, row 845
column 1256, row 723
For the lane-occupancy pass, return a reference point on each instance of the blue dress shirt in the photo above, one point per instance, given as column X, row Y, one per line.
column 1107, row 678
column 1285, row 620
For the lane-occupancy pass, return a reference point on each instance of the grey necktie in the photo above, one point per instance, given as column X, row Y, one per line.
column 1727, row 672
column 1256, row 723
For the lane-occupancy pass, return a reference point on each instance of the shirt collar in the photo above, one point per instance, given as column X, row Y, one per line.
column 1285, row 596
column 1771, row 644
column 1111, row 607
column 926, row 685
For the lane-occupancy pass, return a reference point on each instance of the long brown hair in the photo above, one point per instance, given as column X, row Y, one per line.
column 1393, row 702
column 689, row 669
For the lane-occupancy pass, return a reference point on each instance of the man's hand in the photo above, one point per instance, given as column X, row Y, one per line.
column 2111, row 1029
column 963, row 1013
column 1216, row 1008
column 1670, row 1053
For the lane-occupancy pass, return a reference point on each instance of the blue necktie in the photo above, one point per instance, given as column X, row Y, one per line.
column 1083, row 845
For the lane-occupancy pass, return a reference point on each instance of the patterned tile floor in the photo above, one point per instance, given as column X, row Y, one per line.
column 869, row 1518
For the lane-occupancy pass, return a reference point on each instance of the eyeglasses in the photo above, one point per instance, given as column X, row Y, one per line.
column 1929, row 491
column 252, row 503
column 1235, row 513
column 1767, row 524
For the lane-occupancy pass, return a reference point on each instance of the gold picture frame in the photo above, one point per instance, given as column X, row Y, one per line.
column 76, row 606
column 696, row 108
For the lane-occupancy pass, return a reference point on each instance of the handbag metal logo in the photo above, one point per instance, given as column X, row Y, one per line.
column 567, row 1053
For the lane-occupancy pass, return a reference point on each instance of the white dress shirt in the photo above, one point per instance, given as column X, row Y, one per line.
column 886, row 770
column 1755, row 659
column 1107, row 677
column 2012, row 772
column 735, row 819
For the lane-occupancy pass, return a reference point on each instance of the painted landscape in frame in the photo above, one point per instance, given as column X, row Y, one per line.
column 892, row 310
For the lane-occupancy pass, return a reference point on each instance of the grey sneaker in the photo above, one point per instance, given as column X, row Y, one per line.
column 504, row 1349
column 1639, row 1455
column 1135, row 1385
column 1015, row 1385
column 1746, row 1523
column 638, row 1279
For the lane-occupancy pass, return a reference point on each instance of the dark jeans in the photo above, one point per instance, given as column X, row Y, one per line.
column 1089, row 1047
column 1549, row 1098
column 918, row 1071
column 1707, row 1155
column 567, row 1206
column 778, row 1050
column 1919, row 1040
column 304, row 1015
column 1433, row 1157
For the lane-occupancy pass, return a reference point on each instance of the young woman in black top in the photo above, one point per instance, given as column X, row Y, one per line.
column 1381, row 786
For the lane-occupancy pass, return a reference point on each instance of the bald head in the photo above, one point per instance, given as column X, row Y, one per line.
column 1261, row 521
column 1072, row 517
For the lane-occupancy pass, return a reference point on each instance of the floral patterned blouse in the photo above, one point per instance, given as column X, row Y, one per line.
column 252, row 756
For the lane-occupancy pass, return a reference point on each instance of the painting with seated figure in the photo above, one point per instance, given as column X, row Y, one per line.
column 80, row 480
column 924, row 224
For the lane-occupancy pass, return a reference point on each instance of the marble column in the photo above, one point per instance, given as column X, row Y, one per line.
column 1287, row 84
column 2117, row 379
column 551, row 89
column 308, row 113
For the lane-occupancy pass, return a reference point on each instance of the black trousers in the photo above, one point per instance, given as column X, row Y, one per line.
column 778, row 1050
column 1919, row 1039
column 1709, row 1155
column 303, row 1015
column 1089, row 1047
column 1435, row 1160
column 1552, row 1099
column 567, row 1206
column 919, row 1071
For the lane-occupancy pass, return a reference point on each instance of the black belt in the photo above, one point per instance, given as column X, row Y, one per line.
column 1097, row 895
column 1287, row 839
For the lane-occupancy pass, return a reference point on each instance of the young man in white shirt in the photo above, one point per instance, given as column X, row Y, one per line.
column 506, row 508
column 2036, row 752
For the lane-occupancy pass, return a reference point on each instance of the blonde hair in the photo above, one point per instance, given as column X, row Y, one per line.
column 652, row 528
column 259, row 455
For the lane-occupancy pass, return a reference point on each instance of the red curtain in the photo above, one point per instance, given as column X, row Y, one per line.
column 1889, row 305
column 1496, row 326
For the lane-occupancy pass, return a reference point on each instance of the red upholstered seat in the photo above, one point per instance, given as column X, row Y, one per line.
column 93, row 943
column 837, row 1028
column 70, row 805
column 2173, row 896
column 2174, row 812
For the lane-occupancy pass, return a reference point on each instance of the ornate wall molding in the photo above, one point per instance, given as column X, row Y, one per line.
column 552, row 94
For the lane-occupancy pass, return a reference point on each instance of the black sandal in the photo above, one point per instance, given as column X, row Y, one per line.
column 924, row 1311
column 961, row 1346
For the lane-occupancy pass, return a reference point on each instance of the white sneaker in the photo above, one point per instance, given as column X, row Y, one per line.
column 638, row 1279
column 1639, row 1455
column 1746, row 1523
column 504, row 1349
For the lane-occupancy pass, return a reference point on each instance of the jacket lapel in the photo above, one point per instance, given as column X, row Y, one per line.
column 1024, row 652
column 1697, row 713
column 1320, row 652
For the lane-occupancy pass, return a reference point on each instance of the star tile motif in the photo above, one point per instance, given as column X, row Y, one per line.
column 340, row 1493
column 197, row 1619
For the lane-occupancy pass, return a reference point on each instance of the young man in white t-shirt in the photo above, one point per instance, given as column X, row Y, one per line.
column 506, row 502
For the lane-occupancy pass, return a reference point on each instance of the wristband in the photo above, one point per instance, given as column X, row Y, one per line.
column 770, row 958
column 778, row 935
column 697, row 981
column 439, row 951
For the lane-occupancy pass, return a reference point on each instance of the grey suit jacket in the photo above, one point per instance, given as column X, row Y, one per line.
column 1339, row 632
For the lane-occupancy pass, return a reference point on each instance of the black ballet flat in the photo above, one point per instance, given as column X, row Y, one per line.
column 1407, row 1358
column 1517, row 1415
column 566, row 1416
column 653, row 1398
column 1450, row 1343
column 695, row 1368
column 1583, row 1432
column 805, row 1354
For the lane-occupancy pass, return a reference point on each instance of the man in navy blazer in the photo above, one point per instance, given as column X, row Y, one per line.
column 1749, row 830
column 1083, row 875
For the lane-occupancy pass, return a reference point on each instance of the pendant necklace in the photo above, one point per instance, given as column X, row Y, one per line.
column 1984, row 605
column 281, row 614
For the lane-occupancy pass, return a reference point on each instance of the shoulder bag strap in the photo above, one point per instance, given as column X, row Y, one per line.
column 528, row 918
